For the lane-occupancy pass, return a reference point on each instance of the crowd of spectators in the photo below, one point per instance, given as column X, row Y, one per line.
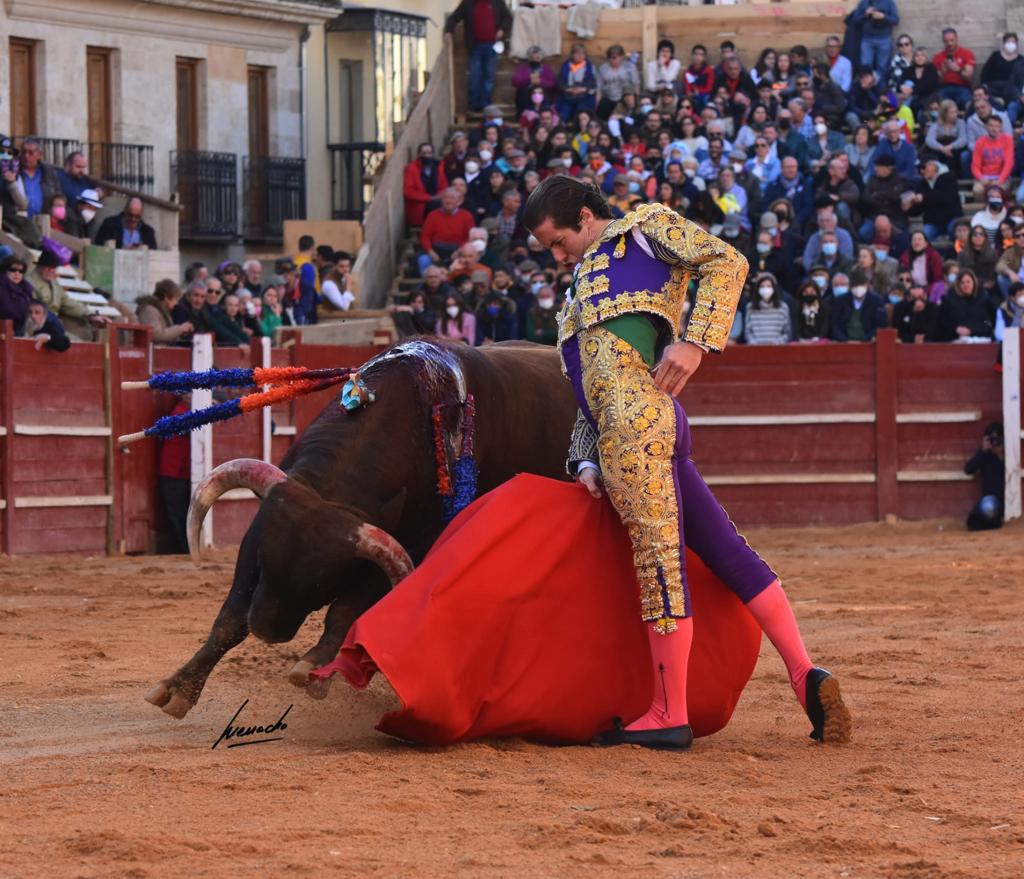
column 835, row 174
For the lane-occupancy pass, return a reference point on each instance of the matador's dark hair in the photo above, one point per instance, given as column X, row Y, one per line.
column 560, row 199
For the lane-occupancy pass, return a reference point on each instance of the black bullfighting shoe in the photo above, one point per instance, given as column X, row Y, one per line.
column 671, row 738
column 825, row 708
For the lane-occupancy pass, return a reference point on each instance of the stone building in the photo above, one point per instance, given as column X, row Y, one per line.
column 202, row 98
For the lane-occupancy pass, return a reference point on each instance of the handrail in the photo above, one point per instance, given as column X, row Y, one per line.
column 383, row 226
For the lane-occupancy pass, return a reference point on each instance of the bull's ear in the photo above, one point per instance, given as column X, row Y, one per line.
column 391, row 511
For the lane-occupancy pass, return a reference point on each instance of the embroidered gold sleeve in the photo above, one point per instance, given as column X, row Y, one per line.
column 719, row 268
column 582, row 444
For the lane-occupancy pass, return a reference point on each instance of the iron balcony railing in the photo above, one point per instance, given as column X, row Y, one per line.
column 275, row 191
column 127, row 164
column 354, row 167
column 207, row 187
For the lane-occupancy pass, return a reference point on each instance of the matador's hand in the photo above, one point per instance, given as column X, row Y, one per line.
column 678, row 362
column 590, row 477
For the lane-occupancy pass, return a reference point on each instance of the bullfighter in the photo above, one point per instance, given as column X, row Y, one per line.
column 623, row 351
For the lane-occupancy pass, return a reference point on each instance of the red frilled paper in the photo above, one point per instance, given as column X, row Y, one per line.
column 524, row 620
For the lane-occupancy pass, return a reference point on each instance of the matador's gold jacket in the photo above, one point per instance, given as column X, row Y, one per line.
column 643, row 263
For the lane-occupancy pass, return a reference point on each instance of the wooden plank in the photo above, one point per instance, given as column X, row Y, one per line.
column 60, row 430
column 1012, row 423
column 885, row 423
column 7, row 526
column 202, row 440
column 932, row 476
column 805, row 418
column 792, row 479
column 938, row 417
column 103, row 500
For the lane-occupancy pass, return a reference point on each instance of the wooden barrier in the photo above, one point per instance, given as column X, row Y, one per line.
column 794, row 435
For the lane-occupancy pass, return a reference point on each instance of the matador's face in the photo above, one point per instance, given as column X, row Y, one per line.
column 567, row 245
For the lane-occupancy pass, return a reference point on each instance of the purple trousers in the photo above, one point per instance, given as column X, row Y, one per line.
column 643, row 441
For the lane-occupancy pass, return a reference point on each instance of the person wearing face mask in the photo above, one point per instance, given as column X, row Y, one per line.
column 915, row 319
column 813, row 320
column 859, row 316
column 495, row 319
column 832, row 259
column 542, row 318
column 457, row 322
column 767, row 319
column 998, row 71
column 994, row 212
column 531, row 75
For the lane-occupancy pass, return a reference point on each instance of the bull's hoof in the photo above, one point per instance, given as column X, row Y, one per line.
column 299, row 675
column 317, row 688
column 169, row 701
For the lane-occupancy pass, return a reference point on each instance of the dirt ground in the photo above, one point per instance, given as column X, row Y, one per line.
column 922, row 623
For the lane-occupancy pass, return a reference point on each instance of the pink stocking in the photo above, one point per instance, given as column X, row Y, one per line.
column 670, row 655
column 772, row 610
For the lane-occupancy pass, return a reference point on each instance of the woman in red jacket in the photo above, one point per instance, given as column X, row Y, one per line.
column 424, row 181
column 922, row 261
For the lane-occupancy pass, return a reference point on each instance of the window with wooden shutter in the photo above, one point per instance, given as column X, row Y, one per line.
column 259, row 113
column 187, row 104
column 23, row 87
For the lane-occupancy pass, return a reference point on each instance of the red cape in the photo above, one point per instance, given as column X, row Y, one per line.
column 524, row 620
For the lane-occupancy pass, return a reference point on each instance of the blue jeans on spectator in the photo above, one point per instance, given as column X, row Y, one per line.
column 568, row 106
column 445, row 251
column 932, row 231
column 876, row 53
column 483, row 62
column 866, row 231
column 959, row 94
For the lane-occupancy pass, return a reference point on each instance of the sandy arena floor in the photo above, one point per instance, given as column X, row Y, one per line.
column 923, row 623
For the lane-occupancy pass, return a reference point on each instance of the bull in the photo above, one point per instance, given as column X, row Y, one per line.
column 355, row 505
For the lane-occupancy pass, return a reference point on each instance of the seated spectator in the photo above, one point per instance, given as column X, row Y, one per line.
column 577, row 83
column 997, row 74
column 894, row 145
column 127, row 230
column 617, row 76
column 1010, row 267
column 74, row 314
column 873, row 260
column 922, row 260
column 663, row 72
column 699, row 78
column 457, row 322
column 794, row 187
column 813, row 321
column 43, row 326
column 828, row 222
column 980, row 256
column 936, row 199
column 964, row 311
column 863, row 98
column 334, row 287
column 623, row 198
column 992, row 214
column 883, row 195
column 843, row 192
column 30, row 181
column 231, row 277
column 767, row 320
column 915, row 319
column 73, row 178
column 541, row 319
column 736, row 87
column 467, row 263
column 859, row 316
column 989, row 461
column 252, row 276
column 444, row 230
column 840, row 69
column 839, row 286
column 824, row 145
column 901, row 64
column 423, row 179
column 955, row 66
column 829, row 99
column 273, row 314
column 509, row 218
column 993, row 157
column 1010, row 313
column 56, row 208
column 732, row 198
column 496, row 319
column 155, row 311
column 763, row 167
column 194, row 309
column 416, row 318
column 924, row 77
column 435, row 288
column 235, row 316
column 78, row 220
column 947, row 136
column 533, row 73
column 888, row 237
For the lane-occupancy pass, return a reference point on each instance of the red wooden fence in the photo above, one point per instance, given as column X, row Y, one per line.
column 799, row 435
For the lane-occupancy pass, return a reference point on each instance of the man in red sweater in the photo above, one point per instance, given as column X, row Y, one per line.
column 992, row 162
column 444, row 231
column 423, row 180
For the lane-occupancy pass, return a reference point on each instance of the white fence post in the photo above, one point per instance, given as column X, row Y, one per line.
column 202, row 439
column 1011, row 423
column 265, row 411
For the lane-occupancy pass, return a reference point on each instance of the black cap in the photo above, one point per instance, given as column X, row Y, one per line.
column 886, row 159
column 47, row 260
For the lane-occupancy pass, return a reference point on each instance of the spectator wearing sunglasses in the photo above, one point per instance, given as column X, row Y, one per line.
column 15, row 292
column 902, row 61
column 127, row 230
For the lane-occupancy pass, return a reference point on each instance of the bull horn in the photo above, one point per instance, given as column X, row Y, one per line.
column 375, row 545
column 257, row 476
